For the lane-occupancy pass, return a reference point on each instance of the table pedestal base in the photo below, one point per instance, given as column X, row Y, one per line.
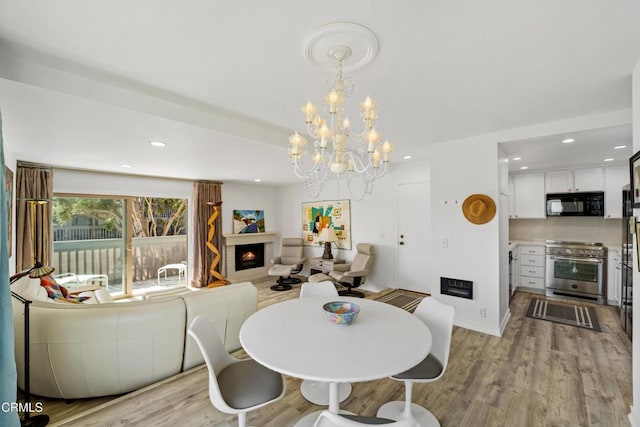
column 395, row 411
column 318, row 392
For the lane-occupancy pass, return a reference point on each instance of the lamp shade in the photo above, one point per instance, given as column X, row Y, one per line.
column 40, row 270
column 328, row 234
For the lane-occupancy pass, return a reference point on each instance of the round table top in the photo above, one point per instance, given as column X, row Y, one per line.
column 295, row 338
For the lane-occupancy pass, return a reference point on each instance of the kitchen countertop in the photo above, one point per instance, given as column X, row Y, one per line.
column 514, row 243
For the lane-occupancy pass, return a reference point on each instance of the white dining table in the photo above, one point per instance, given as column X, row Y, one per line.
column 295, row 338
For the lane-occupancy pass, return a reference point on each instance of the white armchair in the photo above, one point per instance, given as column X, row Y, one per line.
column 290, row 261
column 351, row 275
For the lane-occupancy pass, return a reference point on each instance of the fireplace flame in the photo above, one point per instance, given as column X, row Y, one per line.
column 248, row 256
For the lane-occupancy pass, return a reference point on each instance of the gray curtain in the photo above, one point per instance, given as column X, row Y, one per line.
column 33, row 182
column 205, row 194
column 8, row 384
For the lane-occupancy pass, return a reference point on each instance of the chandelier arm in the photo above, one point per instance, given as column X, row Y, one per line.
column 358, row 164
column 367, row 190
column 300, row 172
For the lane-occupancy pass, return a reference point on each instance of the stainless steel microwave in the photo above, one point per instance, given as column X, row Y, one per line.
column 576, row 204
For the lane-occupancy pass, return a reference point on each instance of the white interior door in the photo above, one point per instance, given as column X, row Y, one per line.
column 414, row 236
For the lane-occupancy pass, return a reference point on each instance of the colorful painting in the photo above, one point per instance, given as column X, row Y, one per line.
column 327, row 213
column 248, row 221
column 8, row 192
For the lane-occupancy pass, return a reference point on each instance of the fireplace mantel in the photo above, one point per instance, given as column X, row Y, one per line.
column 233, row 240
column 248, row 238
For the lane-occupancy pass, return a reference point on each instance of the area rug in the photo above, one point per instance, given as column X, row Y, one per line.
column 406, row 300
column 568, row 314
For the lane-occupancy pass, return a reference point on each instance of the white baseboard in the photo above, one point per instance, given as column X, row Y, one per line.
column 478, row 328
column 634, row 416
column 505, row 321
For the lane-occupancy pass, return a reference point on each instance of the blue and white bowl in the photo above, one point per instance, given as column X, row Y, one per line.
column 341, row 313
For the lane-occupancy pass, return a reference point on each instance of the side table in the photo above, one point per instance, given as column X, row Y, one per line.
column 320, row 265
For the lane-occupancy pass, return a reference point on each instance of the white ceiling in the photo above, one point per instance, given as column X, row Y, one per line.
column 226, row 79
column 590, row 148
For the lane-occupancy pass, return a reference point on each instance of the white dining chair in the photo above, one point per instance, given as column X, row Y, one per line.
column 329, row 419
column 317, row 391
column 439, row 319
column 318, row 289
column 235, row 386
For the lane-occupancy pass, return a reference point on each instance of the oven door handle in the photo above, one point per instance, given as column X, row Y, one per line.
column 588, row 260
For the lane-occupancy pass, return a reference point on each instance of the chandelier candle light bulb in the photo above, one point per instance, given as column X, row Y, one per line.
column 309, row 112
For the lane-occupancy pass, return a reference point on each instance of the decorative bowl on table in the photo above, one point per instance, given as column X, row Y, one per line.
column 341, row 313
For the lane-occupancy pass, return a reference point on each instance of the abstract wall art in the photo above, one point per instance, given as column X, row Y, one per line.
column 327, row 213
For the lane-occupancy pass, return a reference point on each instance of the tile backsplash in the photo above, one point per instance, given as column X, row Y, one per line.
column 567, row 228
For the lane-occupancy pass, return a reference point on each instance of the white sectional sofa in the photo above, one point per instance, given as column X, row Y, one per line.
column 90, row 350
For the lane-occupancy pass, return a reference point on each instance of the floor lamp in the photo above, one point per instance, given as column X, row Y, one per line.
column 220, row 280
column 38, row 270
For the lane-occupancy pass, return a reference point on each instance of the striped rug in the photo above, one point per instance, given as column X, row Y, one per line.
column 568, row 314
column 406, row 300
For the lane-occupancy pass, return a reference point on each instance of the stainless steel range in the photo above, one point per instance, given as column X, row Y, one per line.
column 576, row 269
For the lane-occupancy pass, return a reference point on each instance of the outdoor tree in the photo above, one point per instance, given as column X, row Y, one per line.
column 151, row 216
column 158, row 217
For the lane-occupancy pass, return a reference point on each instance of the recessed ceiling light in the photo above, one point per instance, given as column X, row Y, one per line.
column 568, row 141
column 517, row 158
column 524, row 167
column 619, row 147
column 406, row 157
column 126, row 166
column 158, row 144
column 608, row 159
column 257, row 180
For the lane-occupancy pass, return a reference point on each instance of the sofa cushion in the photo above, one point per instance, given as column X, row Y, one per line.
column 30, row 289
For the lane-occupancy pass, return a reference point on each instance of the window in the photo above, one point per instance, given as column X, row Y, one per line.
column 91, row 234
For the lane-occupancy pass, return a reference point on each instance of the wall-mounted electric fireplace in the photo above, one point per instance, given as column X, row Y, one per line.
column 249, row 256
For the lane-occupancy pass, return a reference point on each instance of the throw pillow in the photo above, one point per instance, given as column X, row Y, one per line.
column 55, row 291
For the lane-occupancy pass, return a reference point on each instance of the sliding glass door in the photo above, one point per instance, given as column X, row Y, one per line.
column 89, row 242
column 125, row 244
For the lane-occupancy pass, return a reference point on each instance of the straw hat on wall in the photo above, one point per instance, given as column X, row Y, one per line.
column 479, row 208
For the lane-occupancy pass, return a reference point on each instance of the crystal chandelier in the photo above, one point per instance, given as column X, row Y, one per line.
column 330, row 153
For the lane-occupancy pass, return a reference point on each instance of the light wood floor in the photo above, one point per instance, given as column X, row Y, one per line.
column 538, row 374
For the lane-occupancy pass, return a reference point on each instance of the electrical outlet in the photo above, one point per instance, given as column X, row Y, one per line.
column 483, row 312
column 445, row 243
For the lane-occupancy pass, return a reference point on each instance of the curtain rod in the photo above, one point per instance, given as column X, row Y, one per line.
column 30, row 165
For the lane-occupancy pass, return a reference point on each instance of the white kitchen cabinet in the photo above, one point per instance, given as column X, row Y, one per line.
column 558, row 181
column 528, row 196
column 531, row 260
column 614, row 177
column 515, row 267
column 588, row 179
column 614, row 277
column 512, row 198
column 569, row 181
column 503, row 175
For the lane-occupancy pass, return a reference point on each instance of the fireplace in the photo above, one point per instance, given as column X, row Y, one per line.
column 231, row 241
column 249, row 256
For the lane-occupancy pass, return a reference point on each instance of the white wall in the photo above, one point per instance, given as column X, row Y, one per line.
column 373, row 219
column 249, row 196
column 459, row 169
column 634, row 415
